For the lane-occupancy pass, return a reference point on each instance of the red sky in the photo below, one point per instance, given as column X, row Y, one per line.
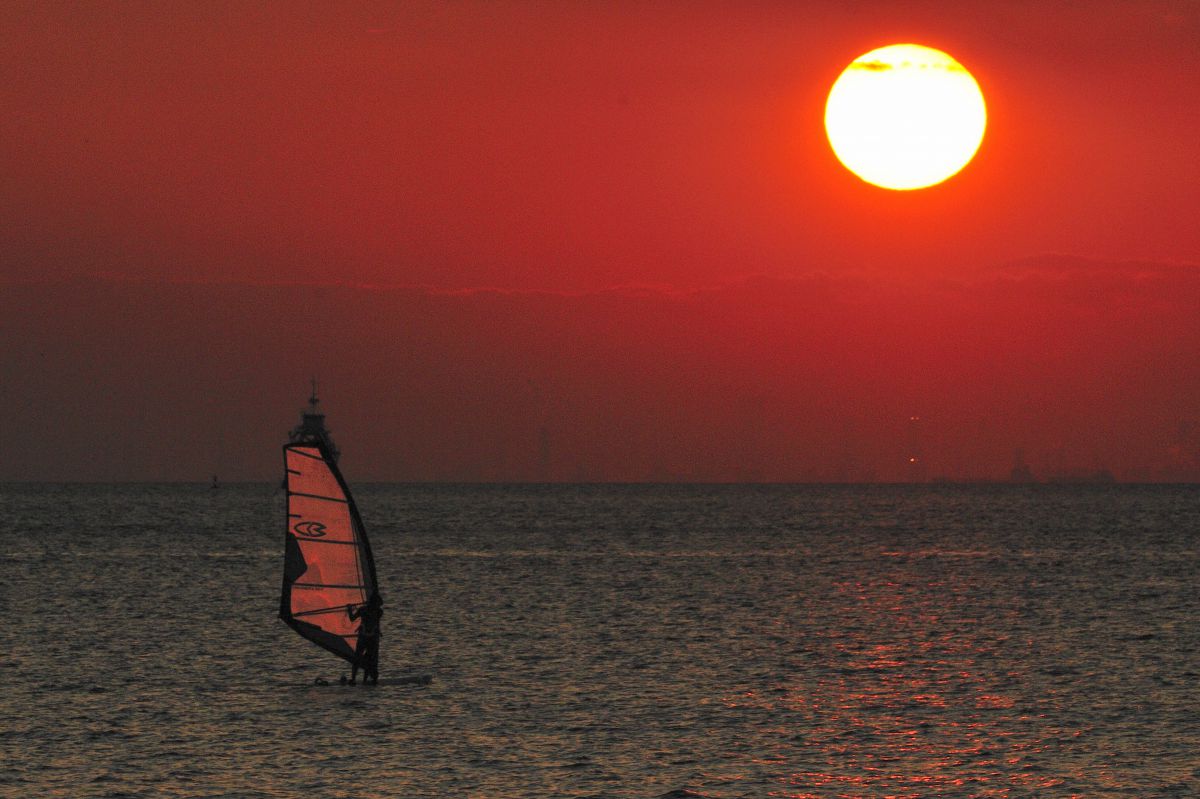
column 620, row 223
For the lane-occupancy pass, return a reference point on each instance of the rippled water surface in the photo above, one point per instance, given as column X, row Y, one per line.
column 613, row 641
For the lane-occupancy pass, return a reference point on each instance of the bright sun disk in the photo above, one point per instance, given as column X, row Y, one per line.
column 905, row 117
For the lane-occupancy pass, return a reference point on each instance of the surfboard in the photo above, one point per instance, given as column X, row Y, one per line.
column 384, row 682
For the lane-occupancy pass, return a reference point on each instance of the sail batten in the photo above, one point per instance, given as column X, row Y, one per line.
column 319, row 611
column 319, row 582
column 323, row 541
column 306, row 455
column 315, row 496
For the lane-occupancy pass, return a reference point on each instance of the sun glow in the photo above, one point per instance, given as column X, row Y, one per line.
column 905, row 117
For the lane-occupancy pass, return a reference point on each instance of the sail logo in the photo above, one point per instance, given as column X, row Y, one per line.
column 310, row 529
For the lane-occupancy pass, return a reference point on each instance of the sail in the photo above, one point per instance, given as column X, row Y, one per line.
column 327, row 559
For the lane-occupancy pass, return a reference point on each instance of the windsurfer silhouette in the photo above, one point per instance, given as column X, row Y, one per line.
column 366, row 652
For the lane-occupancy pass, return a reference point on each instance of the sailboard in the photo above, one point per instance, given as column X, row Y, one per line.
column 327, row 561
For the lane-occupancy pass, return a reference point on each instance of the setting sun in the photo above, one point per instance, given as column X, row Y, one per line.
column 905, row 117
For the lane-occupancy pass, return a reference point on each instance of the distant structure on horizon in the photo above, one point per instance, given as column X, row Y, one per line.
column 1021, row 473
column 1082, row 476
column 312, row 426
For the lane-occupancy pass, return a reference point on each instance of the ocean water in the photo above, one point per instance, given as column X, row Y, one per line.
column 612, row 641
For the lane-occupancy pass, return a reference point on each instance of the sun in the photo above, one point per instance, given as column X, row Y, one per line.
column 905, row 117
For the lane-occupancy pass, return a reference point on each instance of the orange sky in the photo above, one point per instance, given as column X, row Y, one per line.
column 563, row 150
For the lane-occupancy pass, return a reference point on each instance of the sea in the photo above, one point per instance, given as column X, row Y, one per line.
column 612, row 642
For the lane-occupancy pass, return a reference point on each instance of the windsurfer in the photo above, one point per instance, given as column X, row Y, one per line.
column 366, row 652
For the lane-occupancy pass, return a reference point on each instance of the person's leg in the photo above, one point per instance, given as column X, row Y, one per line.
column 373, row 661
column 359, row 651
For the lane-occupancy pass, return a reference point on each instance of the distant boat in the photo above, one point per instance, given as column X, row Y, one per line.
column 327, row 564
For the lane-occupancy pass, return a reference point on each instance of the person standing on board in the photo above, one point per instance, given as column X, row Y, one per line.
column 366, row 652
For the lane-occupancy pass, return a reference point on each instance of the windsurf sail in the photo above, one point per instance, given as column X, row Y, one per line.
column 327, row 562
